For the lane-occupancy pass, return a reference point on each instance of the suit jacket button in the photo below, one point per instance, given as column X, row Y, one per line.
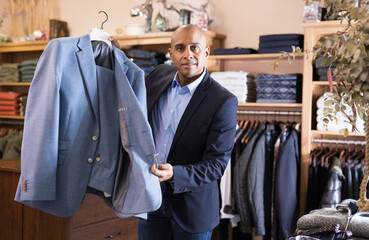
column 98, row 159
column 94, row 138
column 89, row 160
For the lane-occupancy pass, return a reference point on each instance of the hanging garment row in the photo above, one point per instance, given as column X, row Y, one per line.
column 334, row 174
column 260, row 186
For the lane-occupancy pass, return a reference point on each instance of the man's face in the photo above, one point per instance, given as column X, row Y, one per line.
column 189, row 52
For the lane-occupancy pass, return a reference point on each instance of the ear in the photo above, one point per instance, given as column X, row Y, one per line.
column 170, row 53
column 207, row 51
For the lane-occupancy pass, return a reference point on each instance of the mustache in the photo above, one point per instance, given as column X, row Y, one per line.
column 189, row 62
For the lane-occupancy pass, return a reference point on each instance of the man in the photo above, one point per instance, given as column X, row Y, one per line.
column 193, row 120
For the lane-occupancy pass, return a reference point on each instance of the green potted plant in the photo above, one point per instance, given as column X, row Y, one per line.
column 348, row 51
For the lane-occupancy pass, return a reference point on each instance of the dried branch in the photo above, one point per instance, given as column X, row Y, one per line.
column 164, row 2
column 202, row 7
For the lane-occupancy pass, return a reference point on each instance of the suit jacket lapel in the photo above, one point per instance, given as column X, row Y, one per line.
column 88, row 70
column 157, row 86
column 194, row 103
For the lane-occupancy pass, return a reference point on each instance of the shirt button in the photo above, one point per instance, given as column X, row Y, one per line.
column 171, row 110
column 165, row 145
column 98, row 159
column 94, row 138
column 89, row 160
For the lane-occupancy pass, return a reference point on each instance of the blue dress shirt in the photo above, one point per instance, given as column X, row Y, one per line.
column 167, row 113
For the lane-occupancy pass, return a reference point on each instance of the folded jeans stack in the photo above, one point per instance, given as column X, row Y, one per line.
column 276, row 43
column 285, row 88
column 234, row 51
column 241, row 84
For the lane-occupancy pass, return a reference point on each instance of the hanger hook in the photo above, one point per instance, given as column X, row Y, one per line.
column 105, row 19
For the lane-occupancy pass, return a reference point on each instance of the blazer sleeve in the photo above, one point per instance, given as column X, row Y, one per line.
column 219, row 145
column 40, row 139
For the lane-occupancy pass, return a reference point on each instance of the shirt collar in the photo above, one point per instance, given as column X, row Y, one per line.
column 192, row 86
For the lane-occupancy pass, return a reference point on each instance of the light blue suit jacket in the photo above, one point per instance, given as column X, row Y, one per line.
column 61, row 122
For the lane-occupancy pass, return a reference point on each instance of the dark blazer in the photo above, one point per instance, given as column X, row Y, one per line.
column 200, row 150
column 287, row 186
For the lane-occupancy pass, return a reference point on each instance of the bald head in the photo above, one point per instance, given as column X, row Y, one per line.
column 189, row 29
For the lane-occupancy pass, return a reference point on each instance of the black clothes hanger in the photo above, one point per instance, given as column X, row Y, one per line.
column 103, row 53
column 107, row 17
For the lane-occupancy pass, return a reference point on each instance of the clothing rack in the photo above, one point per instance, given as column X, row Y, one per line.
column 266, row 112
column 336, row 141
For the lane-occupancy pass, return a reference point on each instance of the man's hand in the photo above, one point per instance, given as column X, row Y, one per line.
column 114, row 41
column 164, row 171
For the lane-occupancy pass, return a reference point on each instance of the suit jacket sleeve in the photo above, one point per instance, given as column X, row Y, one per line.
column 40, row 144
column 219, row 144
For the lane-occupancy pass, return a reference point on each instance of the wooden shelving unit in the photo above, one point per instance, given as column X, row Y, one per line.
column 312, row 90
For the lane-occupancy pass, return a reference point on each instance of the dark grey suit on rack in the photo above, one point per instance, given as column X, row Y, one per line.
column 287, row 186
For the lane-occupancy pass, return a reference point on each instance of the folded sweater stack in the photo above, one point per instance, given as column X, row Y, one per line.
column 10, row 103
column 286, row 88
column 9, row 72
column 27, row 70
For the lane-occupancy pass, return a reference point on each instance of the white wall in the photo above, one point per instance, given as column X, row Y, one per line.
column 241, row 20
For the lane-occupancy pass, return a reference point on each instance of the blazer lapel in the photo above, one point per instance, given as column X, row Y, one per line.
column 88, row 70
column 121, row 80
column 157, row 86
column 194, row 103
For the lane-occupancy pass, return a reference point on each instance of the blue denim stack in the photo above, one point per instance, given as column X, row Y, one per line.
column 276, row 43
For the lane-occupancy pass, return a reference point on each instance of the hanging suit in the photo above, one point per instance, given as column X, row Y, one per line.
column 62, row 133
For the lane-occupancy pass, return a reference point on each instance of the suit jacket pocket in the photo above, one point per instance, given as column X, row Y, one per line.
column 62, row 151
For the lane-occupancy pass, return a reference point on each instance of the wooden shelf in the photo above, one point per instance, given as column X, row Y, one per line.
column 23, row 46
column 266, row 56
column 297, row 107
column 322, row 83
column 326, row 133
column 158, row 38
column 11, row 117
column 20, row 84
column 10, row 165
column 324, row 24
